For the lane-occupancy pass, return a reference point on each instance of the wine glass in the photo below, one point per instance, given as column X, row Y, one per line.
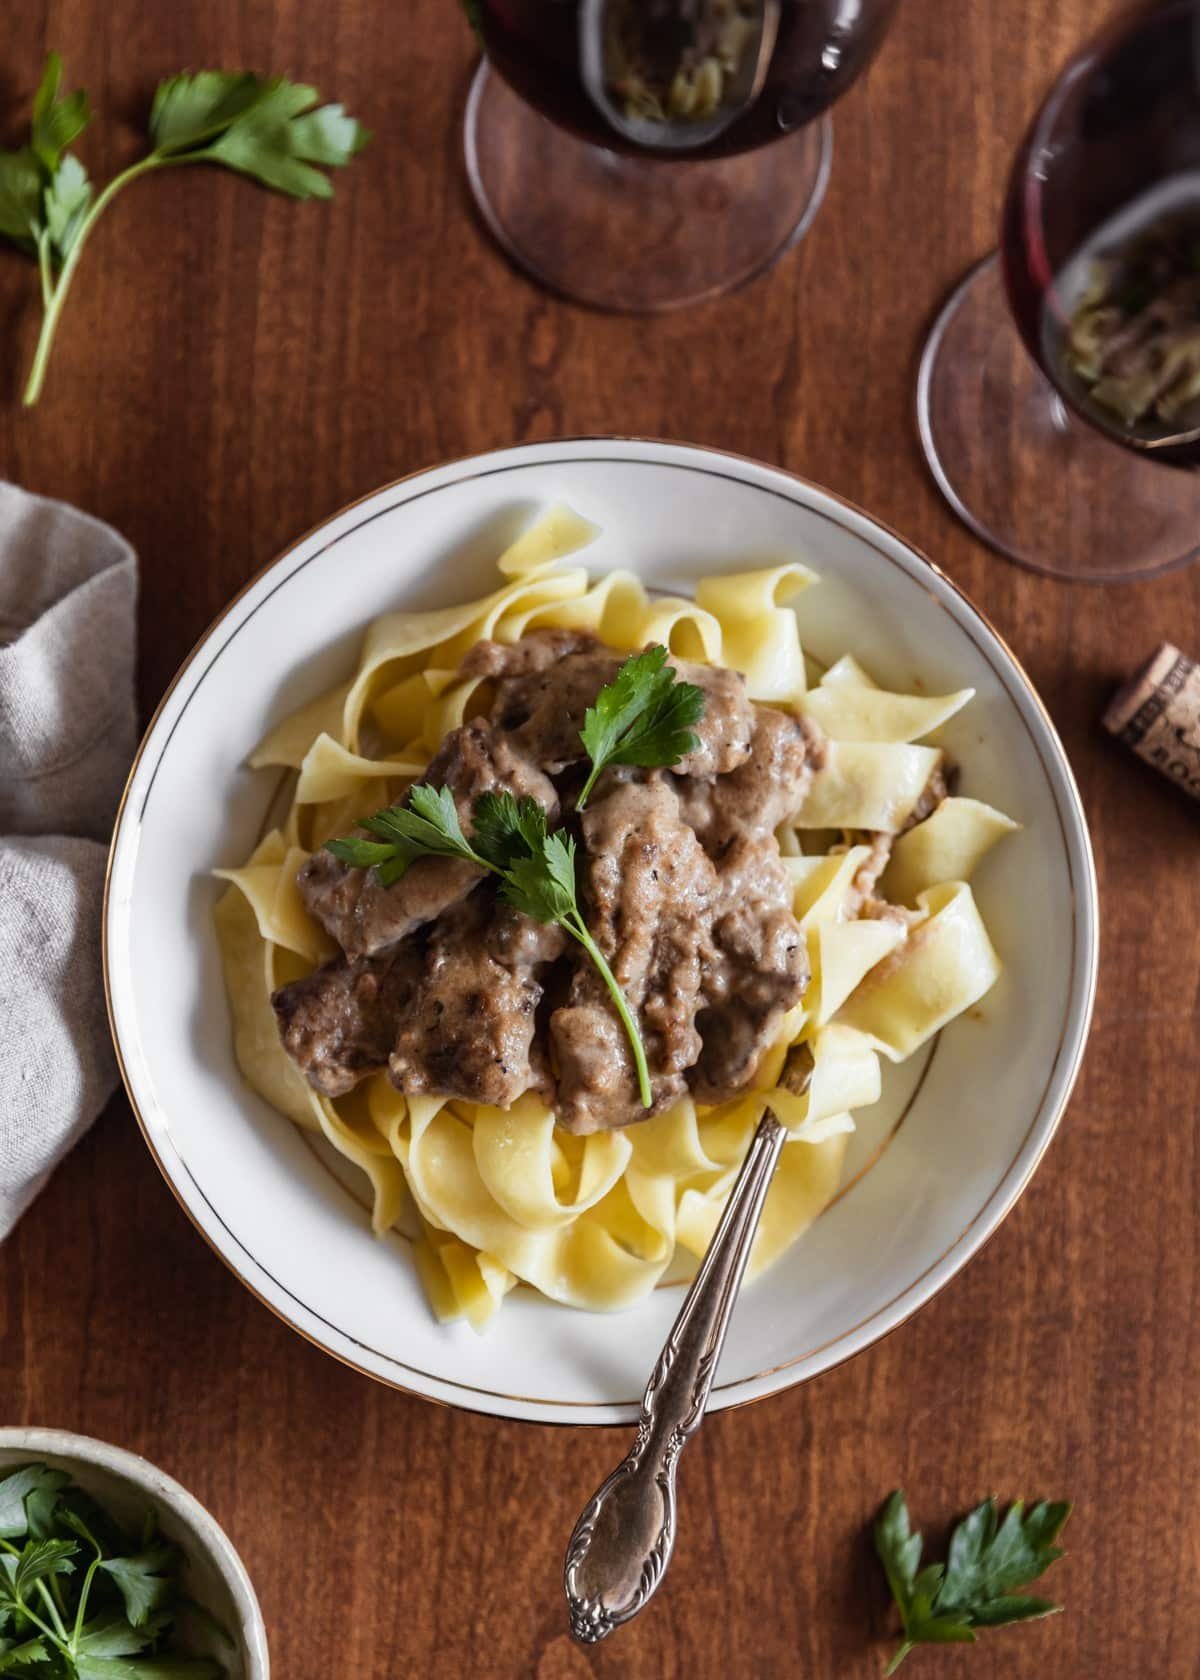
column 1054, row 438
column 643, row 154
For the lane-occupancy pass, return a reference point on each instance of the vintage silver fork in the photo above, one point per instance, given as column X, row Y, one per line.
column 622, row 1543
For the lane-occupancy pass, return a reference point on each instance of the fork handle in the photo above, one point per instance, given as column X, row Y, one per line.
column 622, row 1543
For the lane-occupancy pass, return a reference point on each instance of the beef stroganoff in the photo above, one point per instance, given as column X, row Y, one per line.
column 560, row 1102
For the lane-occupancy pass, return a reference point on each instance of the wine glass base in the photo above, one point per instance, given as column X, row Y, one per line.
column 1027, row 475
column 631, row 234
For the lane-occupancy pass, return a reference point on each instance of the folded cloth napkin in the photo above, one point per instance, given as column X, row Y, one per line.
column 68, row 729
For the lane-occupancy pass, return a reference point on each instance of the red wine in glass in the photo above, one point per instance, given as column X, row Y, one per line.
column 819, row 48
column 1054, row 445
column 643, row 154
column 1101, row 233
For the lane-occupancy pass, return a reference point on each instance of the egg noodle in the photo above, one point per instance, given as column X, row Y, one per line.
column 500, row 1197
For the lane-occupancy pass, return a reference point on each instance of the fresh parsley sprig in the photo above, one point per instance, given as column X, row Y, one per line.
column 943, row 1604
column 60, row 1620
column 427, row 826
column 261, row 126
column 643, row 717
column 536, row 869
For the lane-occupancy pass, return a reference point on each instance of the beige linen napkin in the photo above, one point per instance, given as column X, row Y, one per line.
column 67, row 733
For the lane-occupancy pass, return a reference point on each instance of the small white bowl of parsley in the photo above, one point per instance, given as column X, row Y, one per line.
column 109, row 1570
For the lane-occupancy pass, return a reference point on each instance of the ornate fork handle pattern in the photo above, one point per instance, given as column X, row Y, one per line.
column 622, row 1543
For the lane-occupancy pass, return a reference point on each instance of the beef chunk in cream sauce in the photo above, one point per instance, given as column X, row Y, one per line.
column 469, row 1029
column 757, row 971
column 338, row 1024
column 767, row 786
column 543, row 703
column 679, row 878
column 365, row 917
column 650, row 891
column 531, row 654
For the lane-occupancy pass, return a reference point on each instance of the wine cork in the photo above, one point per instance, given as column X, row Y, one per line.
column 1157, row 713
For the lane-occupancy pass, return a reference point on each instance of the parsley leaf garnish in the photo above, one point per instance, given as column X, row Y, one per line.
column 145, row 1581
column 944, row 1603
column 262, row 126
column 643, row 717
column 431, row 824
column 542, row 884
column 507, row 828
column 109, row 1621
column 427, row 827
column 536, row 869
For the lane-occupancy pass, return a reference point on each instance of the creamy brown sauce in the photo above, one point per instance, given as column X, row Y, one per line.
column 681, row 882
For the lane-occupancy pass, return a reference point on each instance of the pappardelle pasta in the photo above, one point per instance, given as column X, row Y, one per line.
column 877, row 854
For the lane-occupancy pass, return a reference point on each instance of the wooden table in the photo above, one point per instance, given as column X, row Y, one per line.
column 234, row 367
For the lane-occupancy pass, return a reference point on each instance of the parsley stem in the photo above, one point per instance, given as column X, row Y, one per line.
column 53, row 1609
column 41, row 1625
column 84, row 1595
column 58, row 289
column 45, row 273
column 575, row 926
column 56, row 1589
column 593, row 774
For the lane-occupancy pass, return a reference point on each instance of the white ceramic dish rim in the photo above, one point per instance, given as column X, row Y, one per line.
column 38, row 1443
column 1043, row 737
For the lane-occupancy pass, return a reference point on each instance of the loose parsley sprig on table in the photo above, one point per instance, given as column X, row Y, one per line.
column 108, row 1619
column 943, row 1604
column 643, row 717
column 261, row 126
column 536, row 869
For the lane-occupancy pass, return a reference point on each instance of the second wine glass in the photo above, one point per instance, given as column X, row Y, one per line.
column 1061, row 382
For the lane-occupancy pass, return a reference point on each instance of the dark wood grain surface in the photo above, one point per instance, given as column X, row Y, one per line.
column 232, row 369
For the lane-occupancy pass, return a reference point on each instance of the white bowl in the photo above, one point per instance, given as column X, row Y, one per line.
column 128, row 1486
column 977, row 1114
